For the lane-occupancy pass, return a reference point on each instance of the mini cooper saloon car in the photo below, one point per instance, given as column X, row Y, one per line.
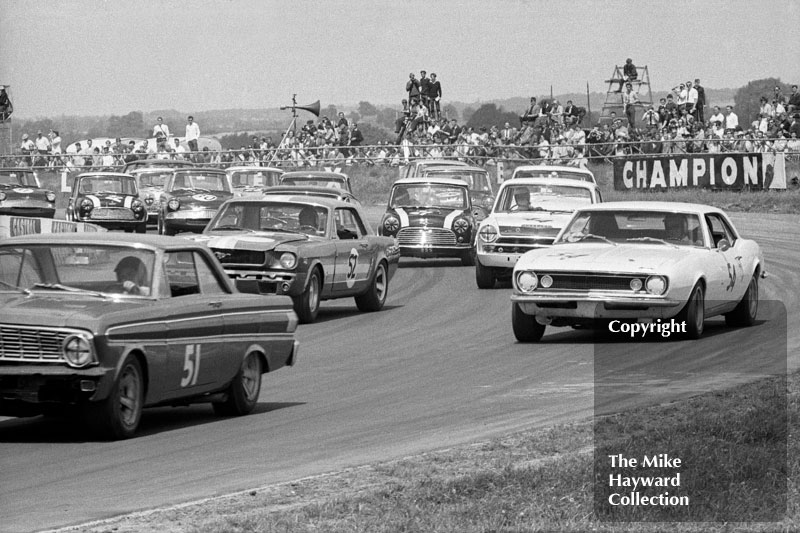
column 106, row 324
column 108, row 199
column 431, row 217
column 191, row 199
column 22, row 195
column 249, row 181
column 632, row 261
column 554, row 171
column 151, row 182
column 311, row 249
column 316, row 178
column 528, row 214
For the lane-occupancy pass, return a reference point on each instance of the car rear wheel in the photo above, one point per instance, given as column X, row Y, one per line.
column 468, row 258
column 484, row 276
column 162, row 228
column 526, row 328
column 744, row 314
column 307, row 304
column 375, row 297
column 244, row 389
column 693, row 313
column 118, row 416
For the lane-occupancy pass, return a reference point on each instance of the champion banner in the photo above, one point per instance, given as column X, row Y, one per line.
column 706, row 171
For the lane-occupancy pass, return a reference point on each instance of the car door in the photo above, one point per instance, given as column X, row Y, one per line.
column 355, row 254
column 726, row 284
column 196, row 346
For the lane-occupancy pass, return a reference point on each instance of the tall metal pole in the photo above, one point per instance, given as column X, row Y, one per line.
column 588, row 104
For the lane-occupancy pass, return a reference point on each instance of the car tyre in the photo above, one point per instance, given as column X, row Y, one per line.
column 744, row 314
column 484, row 276
column 693, row 313
column 242, row 395
column 307, row 304
column 375, row 297
column 142, row 228
column 525, row 326
column 117, row 416
column 468, row 258
column 162, row 228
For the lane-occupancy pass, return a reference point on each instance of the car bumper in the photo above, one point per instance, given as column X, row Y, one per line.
column 32, row 389
column 506, row 261
column 268, row 282
column 194, row 221
column 29, row 211
column 115, row 224
column 428, row 250
column 596, row 305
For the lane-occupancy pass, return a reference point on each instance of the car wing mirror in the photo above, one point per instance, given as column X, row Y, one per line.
column 723, row 245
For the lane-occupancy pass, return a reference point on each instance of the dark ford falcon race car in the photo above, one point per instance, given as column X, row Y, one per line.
column 107, row 324
column 108, row 199
column 431, row 217
column 311, row 249
column 21, row 194
column 191, row 199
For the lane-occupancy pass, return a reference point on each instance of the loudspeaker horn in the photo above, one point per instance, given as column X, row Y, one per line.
column 312, row 108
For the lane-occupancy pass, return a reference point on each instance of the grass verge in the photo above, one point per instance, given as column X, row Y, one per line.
column 534, row 481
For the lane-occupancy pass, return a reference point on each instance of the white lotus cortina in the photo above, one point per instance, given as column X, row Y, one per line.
column 638, row 260
column 527, row 214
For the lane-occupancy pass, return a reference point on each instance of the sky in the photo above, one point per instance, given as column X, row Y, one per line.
column 96, row 57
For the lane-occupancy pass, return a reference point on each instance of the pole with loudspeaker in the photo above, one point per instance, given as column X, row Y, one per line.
column 311, row 108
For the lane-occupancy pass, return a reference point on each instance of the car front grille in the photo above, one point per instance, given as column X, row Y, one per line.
column 112, row 213
column 432, row 236
column 32, row 344
column 239, row 257
column 511, row 231
column 587, row 282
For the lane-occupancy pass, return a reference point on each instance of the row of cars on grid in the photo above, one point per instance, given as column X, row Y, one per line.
column 124, row 304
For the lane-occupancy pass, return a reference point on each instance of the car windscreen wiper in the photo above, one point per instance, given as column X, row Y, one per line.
column 12, row 286
column 577, row 237
column 651, row 239
column 67, row 288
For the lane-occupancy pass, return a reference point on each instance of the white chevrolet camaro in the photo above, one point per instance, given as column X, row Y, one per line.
column 631, row 261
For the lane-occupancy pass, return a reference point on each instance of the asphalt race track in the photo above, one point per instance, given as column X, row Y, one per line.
column 437, row 367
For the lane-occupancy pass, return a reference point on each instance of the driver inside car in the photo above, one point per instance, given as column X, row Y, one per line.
column 307, row 218
column 676, row 228
column 132, row 274
column 522, row 200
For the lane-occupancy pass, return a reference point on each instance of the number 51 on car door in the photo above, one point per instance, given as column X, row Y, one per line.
column 191, row 365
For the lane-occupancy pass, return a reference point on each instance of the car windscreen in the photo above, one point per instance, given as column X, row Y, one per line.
column 200, row 181
column 77, row 268
column 542, row 198
column 475, row 180
column 107, row 184
column 153, row 178
column 637, row 227
column 254, row 178
column 563, row 174
column 270, row 216
column 16, row 178
column 429, row 195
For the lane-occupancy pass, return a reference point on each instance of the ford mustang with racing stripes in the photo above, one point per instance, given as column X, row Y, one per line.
column 108, row 199
column 102, row 325
column 309, row 248
column 639, row 261
column 191, row 198
column 431, row 217
column 22, row 195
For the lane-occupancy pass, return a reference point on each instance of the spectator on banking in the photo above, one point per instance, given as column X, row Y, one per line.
column 412, row 88
column 434, row 97
column 629, row 74
column 161, row 132
column 530, row 114
column 701, row 101
column 192, row 134
column 630, row 100
column 424, row 89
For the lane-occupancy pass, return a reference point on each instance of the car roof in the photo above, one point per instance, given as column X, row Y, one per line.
column 293, row 198
column 554, row 168
column 439, row 181
column 102, row 173
column 153, row 169
column 199, row 169
column 294, row 189
column 314, row 174
column 442, row 162
column 561, row 182
column 241, row 168
column 451, row 169
column 104, row 238
column 677, row 207
column 153, row 162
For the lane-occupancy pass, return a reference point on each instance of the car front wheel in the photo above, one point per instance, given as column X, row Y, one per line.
column 307, row 304
column 244, row 389
column 117, row 417
column 468, row 258
column 375, row 297
column 484, row 276
column 526, row 328
column 744, row 314
column 693, row 313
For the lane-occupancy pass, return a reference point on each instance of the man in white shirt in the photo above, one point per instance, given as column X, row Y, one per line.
column 717, row 116
column 161, row 132
column 178, row 149
column 192, row 134
column 731, row 120
column 691, row 99
column 629, row 101
column 42, row 143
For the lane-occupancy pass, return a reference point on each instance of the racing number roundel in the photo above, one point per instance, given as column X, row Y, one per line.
column 352, row 263
column 204, row 197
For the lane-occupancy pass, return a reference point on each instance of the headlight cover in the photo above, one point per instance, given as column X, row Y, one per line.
column 174, row 204
column 461, row 225
column 51, row 197
column 391, row 224
column 2, row 196
column 526, row 281
column 656, row 285
column 488, row 233
column 78, row 351
column 87, row 205
column 288, row 260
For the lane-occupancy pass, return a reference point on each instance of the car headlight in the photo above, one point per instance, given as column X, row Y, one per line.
column 137, row 205
column 86, row 205
column 461, row 225
column 288, row 260
column 636, row 284
column 78, row 351
column 51, row 197
column 391, row 224
column 174, row 204
column 526, row 281
column 656, row 285
column 2, row 196
column 488, row 233
column 149, row 200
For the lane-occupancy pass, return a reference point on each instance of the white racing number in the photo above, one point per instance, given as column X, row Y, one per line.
column 352, row 263
column 191, row 365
